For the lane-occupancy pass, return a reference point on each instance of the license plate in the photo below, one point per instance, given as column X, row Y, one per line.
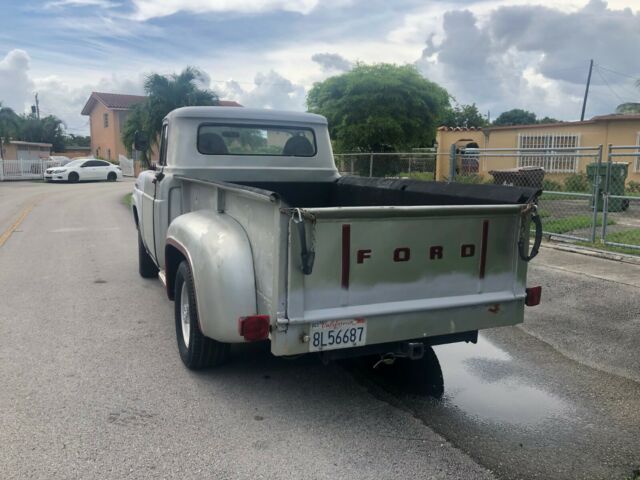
column 337, row 334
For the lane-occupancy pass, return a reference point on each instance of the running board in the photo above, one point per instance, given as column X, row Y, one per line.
column 163, row 278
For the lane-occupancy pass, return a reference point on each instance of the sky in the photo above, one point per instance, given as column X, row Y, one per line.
column 499, row 54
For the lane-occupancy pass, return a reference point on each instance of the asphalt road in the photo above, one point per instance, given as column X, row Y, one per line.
column 92, row 385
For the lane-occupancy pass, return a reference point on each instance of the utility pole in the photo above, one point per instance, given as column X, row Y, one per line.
column 37, row 107
column 586, row 90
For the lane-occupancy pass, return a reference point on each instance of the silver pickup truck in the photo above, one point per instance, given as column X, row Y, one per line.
column 257, row 237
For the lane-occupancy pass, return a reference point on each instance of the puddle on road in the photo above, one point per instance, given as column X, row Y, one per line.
column 481, row 381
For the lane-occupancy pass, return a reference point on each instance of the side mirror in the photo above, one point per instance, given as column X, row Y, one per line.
column 140, row 141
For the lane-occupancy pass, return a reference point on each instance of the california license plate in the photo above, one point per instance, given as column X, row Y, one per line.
column 337, row 334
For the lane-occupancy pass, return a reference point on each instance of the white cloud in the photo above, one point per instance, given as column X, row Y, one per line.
column 148, row 9
column 533, row 57
column 16, row 86
column 269, row 90
column 81, row 3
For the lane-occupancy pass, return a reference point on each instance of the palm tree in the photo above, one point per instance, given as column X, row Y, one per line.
column 165, row 93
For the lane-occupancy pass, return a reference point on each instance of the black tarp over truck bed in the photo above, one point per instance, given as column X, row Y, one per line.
column 369, row 192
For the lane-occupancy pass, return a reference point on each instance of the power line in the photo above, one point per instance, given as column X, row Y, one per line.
column 609, row 85
column 617, row 73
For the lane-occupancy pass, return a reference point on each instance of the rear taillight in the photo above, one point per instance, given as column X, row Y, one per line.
column 533, row 296
column 254, row 327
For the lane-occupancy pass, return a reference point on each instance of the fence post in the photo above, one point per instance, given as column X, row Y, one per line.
column 410, row 158
column 371, row 165
column 596, row 195
column 605, row 193
column 452, row 162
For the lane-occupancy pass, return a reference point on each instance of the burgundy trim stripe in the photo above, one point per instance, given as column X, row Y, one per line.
column 346, row 254
column 483, row 247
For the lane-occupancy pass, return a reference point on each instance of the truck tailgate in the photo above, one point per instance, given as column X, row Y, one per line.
column 380, row 261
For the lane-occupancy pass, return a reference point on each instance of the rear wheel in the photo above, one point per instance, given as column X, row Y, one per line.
column 74, row 177
column 196, row 350
column 112, row 177
column 146, row 267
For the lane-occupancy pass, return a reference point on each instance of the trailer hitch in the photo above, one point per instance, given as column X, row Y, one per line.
column 307, row 256
column 524, row 234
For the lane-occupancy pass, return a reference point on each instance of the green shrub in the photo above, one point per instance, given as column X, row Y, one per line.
column 551, row 185
column 473, row 178
column 633, row 187
column 577, row 182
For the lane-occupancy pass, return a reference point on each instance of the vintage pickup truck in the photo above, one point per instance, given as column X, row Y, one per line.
column 257, row 237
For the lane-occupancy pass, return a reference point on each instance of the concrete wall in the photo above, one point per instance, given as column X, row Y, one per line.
column 10, row 151
column 591, row 134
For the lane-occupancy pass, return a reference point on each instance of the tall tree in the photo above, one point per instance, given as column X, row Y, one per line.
column 464, row 116
column 165, row 93
column 9, row 123
column 48, row 129
column 516, row 116
column 377, row 108
column 628, row 108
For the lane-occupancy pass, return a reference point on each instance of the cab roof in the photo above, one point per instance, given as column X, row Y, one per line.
column 235, row 113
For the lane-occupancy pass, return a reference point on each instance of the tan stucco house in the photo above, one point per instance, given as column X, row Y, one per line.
column 601, row 130
column 19, row 150
column 107, row 115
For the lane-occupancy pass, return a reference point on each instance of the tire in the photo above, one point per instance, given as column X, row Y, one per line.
column 112, row 177
column 196, row 350
column 73, row 177
column 146, row 267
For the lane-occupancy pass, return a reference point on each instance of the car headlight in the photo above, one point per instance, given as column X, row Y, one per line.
column 60, row 171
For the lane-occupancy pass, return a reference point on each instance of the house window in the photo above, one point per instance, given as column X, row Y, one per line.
column 554, row 153
column 105, row 119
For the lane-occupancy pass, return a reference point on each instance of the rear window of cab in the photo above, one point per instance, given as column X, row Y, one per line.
column 267, row 140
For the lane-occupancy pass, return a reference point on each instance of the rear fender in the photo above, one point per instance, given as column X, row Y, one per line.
column 219, row 254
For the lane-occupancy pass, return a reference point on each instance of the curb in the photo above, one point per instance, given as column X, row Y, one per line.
column 591, row 252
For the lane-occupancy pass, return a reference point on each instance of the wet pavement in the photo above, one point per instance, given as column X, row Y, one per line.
column 523, row 410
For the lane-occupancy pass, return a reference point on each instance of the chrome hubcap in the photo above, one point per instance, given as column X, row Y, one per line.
column 185, row 318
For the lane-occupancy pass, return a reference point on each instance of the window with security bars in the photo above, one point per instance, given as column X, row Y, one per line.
column 553, row 156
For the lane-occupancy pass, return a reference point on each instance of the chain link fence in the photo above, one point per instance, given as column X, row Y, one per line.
column 585, row 198
column 619, row 201
column 420, row 164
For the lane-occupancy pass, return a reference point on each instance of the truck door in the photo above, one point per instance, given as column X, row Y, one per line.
column 153, row 239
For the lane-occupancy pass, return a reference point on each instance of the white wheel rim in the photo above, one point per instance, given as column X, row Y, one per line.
column 185, row 318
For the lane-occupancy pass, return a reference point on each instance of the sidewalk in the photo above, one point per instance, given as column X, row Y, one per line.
column 592, row 266
column 590, row 310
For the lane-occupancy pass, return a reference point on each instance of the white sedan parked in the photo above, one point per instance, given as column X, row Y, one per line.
column 84, row 169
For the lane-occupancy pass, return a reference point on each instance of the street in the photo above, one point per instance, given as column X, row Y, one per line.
column 93, row 387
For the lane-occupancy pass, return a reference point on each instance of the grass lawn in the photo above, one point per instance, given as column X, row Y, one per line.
column 127, row 199
column 568, row 224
